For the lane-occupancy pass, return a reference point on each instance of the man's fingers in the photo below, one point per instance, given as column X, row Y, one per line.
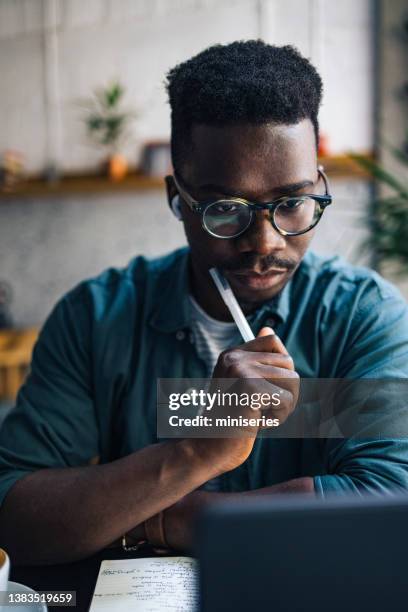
column 266, row 341
column 283, row 379
column 282, row 409
column 278, row 360
column 267, row 379
column 239, row 363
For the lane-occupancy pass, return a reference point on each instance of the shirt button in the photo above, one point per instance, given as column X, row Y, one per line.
column 180, row 335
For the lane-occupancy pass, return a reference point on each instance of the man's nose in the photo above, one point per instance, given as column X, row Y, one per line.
column 261, row 237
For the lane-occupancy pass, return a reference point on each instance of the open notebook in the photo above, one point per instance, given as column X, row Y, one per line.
column 152, row 584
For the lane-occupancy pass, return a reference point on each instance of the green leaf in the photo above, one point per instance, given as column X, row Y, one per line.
column 113, row 95
column 94, row 123
column 380, row 174
column 400, row 155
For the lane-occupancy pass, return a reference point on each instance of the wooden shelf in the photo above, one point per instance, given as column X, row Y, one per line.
column 343, row 166
column 83, row 184
column 340, row 166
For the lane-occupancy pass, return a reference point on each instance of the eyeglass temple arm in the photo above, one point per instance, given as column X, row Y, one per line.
column 320, row 170
column 193, row 204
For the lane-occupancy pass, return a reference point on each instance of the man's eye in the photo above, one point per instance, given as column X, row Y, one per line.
column 292, row 205
column 224, row 208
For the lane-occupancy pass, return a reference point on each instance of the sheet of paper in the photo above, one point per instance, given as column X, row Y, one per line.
column 152, row 584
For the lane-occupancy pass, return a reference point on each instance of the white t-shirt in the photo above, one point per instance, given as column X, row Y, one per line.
column 211, row 337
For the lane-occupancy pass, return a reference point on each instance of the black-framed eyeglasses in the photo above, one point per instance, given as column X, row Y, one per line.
column 230, row 217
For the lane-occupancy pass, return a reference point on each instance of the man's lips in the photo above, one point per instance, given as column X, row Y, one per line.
column 255, row 273
column 258, row 280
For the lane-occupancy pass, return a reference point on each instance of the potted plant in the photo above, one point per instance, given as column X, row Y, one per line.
column 388, row 220
column 108, row 125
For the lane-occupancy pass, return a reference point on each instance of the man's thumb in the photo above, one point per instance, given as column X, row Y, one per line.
column 277, row 344
column 265, row 331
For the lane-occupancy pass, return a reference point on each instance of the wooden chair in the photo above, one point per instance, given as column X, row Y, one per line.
column 16, row 347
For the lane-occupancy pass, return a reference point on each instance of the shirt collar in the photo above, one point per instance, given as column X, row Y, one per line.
column 172, row 308
column 171, row 294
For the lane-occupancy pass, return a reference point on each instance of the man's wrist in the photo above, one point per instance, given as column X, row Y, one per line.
column 180, row 519
column 154, row 528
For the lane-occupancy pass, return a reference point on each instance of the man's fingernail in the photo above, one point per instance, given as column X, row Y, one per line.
column 270, row 330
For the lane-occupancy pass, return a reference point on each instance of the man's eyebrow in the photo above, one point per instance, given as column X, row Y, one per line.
column 282, row 189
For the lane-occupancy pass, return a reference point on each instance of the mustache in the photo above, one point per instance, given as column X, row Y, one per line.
column 250, row 261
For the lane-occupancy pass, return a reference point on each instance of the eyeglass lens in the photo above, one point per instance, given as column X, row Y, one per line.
column 226, row 218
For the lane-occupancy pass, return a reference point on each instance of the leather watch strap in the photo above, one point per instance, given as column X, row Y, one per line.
column 154, row 528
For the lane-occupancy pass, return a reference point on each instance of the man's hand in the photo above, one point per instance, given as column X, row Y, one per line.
column 180, row 519
column 263, row 365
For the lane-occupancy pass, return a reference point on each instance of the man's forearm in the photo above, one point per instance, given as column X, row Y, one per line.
column 57, row 515
column 180, row 518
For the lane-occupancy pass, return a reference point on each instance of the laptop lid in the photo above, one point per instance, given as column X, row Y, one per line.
column 303, row 554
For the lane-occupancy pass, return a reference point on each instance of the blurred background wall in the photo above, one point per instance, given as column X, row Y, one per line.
column 53, row 53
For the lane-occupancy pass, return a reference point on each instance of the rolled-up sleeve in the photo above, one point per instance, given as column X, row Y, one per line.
column 365, row 467
column 53, row 423
column 373, row 458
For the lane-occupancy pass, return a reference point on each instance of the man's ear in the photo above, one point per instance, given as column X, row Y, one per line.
column 173, row 197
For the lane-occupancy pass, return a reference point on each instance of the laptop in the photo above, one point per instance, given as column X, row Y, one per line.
column 301, row 554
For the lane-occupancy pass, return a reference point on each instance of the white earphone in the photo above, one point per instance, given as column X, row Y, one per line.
column 176, row 207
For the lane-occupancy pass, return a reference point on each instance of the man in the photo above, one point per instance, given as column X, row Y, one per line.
column 80, row 462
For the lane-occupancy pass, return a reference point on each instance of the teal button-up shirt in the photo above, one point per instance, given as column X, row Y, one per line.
column 91, row 393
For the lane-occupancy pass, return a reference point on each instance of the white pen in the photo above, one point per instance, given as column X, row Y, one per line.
column 231, row 302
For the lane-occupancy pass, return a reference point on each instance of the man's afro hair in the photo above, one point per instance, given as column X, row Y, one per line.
column 242, row 82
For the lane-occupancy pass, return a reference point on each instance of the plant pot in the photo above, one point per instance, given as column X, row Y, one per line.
column 117, row 167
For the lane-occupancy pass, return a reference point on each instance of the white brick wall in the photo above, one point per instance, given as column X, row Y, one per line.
column 139, row 40
column 22, row 110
